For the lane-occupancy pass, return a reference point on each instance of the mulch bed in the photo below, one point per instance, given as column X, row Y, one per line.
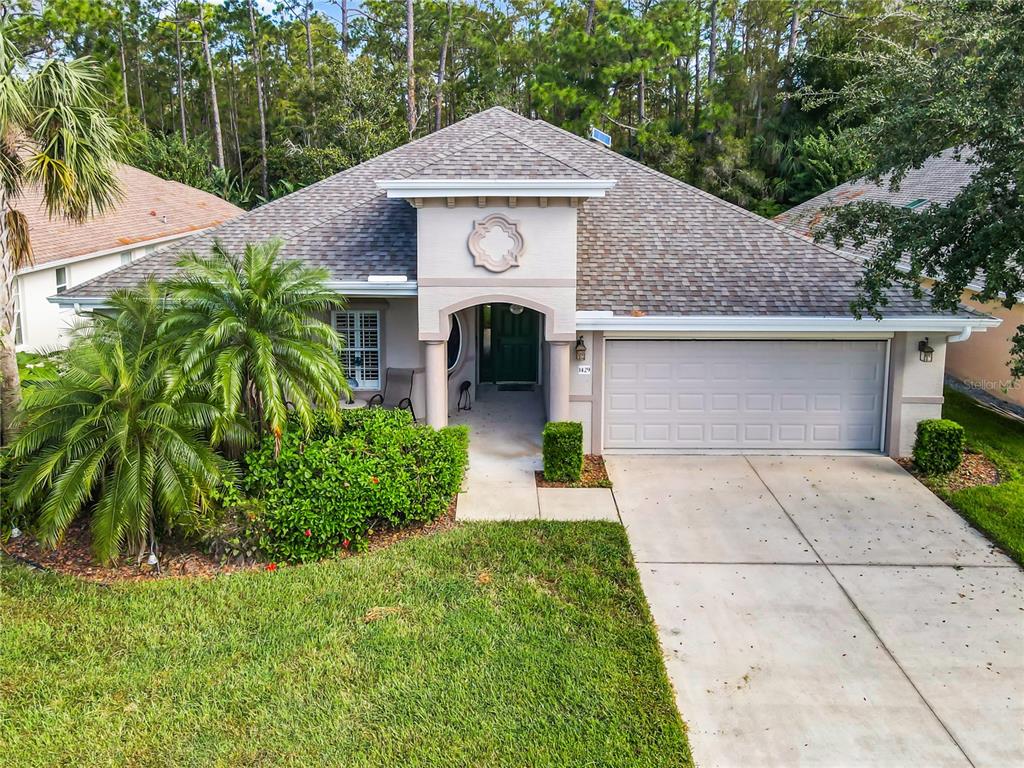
column 385, row 538
column 975, row 470
column 594, row 475
column 178, row 559
column 74, row 557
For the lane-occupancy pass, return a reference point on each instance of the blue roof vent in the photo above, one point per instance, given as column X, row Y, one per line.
column 600, row 137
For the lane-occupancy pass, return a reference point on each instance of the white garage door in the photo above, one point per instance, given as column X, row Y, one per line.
column 788, row 395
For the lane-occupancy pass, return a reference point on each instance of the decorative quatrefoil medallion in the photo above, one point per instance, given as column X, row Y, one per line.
column 496, row 243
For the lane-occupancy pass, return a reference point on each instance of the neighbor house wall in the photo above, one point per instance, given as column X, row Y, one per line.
column 981, row 361
column 44, row 325
column 915, row 389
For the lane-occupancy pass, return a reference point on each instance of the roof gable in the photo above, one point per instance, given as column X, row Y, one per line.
column 498, row 156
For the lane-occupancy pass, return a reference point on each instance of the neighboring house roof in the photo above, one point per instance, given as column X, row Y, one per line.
column 939, row 179
column 151, row 209
column 653, row 245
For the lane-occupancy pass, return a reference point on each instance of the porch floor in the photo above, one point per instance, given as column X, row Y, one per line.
column 504, row 453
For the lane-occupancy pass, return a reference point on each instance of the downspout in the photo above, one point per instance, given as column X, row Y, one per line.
column 964, row 335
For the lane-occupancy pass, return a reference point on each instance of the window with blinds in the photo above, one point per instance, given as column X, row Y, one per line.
column 360, row 331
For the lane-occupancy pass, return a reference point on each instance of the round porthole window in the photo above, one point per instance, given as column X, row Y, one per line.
column 515, row 309
column 455, row 343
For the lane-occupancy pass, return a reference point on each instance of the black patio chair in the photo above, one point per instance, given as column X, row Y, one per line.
column 397, row 391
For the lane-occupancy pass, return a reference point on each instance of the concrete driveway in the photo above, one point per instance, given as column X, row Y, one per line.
column 826, row 611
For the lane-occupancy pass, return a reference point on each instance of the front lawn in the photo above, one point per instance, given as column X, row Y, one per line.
column 998, row 510
column 525, row 644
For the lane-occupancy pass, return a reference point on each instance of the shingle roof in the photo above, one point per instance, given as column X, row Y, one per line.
column 653, row 244
column 939, row 179
column 498, row 156
column 151, row 209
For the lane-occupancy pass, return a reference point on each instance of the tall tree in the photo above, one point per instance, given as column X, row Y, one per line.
column 963, row 88
column 442, row 61
column 218, row 136
column 410, row 66
column 181, row 80
column 55, row 135
column 260, row 102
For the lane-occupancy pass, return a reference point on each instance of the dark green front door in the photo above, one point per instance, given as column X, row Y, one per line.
column 514, row 344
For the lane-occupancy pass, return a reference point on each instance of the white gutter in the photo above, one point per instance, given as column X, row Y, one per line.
column 374, row 287
column 608, row 321
column 424, row 188
column 379, row 287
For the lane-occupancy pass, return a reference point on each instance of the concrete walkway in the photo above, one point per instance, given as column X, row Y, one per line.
column 826, row 611
column 504, row 453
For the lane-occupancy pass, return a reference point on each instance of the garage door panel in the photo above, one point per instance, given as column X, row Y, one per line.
column 744, row 394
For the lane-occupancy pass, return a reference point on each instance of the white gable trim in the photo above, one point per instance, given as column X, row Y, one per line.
column 433, row 188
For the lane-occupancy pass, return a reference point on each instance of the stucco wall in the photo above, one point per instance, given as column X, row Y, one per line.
column 466, row 367
column 915, row 389
column 45, row 325
column 400, row 346
column 981, row 361
column 545, row 278
column 582, row 390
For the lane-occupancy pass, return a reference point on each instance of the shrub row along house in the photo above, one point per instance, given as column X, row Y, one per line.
column 982, row 361
column 506, row 251
column 151, row 213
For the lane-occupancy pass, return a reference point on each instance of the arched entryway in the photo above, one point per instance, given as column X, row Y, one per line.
column 504, row 345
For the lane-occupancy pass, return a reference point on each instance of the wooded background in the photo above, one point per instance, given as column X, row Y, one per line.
column 251, row 100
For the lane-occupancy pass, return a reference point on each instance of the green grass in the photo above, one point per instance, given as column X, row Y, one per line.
column 493, row 645
column 997, row 511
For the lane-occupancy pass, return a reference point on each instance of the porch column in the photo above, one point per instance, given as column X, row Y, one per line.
column 437, row 384
column 558, row 381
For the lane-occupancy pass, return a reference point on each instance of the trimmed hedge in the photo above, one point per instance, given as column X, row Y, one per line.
column 563, row 451
column 939, row 447
column 376, row 467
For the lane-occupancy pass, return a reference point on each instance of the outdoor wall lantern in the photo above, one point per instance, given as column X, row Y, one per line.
column 925, row 350
column 581, row 349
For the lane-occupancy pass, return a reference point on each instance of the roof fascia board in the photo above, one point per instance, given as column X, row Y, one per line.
column 367, row 288
column 345, row 287
column 434, row 188
column 600, row 321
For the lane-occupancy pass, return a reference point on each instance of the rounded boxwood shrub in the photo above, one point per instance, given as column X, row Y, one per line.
column 939, row 447
column 376, row 467
column 563, row 451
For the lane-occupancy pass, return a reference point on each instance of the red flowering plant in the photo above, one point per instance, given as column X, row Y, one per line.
column 321, row 494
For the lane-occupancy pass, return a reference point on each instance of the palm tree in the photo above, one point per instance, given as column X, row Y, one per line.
column 112, row 435
column 249, row 329
column 52, row 134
